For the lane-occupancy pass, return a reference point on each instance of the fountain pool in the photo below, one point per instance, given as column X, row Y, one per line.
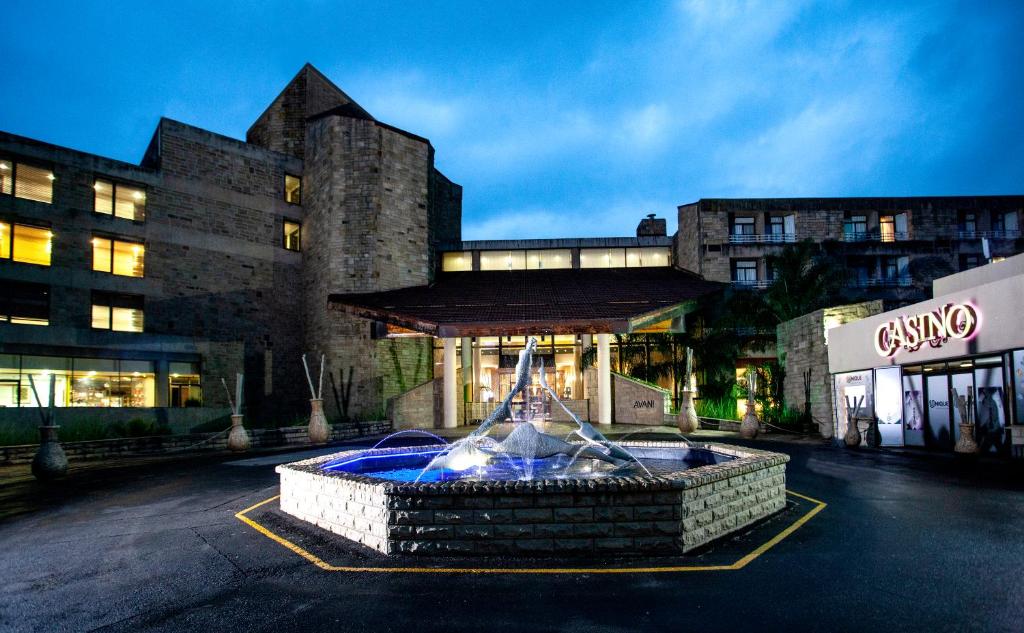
column 523, row 486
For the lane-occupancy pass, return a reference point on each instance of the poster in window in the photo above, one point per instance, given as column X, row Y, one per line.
column 1018, row 383
column 889, row 406
column 853, row 399
column 913, row 410
column 990, row 413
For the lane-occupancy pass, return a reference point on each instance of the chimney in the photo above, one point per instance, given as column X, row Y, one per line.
column 651, row 227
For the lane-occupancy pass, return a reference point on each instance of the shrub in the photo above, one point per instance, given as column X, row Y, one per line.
column 720, row 408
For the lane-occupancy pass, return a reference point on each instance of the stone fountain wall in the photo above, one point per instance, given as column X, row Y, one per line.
column 621, row 515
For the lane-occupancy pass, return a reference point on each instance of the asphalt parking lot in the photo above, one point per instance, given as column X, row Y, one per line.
column 905, row 543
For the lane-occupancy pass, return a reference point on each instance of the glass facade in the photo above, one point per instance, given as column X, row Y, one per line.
column 456, row 262
column 77, row 382
column 549, row 259
column 558, row 258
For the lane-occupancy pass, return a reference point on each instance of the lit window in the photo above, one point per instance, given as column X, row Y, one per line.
column 32, row 244
column 26, row 181
column 887, row 226
column 292, row 236
column 293, row 189
column 452, row 262
column 120, row 200
column 100, row 382
column 6, row 176
column 646, row 257
column 121, row 313
column 117, row 257
column 5, row 240
column 185, row 386
column 24, row 303
column 548, row 259
column 502, row 260
column 602, row 258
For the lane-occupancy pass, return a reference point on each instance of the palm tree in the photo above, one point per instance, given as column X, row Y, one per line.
column 805, row 280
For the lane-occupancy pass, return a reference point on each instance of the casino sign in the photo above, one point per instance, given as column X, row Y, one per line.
column 952, row 320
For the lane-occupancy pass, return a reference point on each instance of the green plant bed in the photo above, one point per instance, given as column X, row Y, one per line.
column 720, row 408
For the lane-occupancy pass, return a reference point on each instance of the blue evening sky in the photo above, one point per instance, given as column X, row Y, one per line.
column 563, row 118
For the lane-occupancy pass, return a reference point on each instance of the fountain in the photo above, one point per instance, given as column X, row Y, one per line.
column 521, row 485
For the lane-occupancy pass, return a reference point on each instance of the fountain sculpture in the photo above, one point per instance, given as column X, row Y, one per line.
column 521, row 484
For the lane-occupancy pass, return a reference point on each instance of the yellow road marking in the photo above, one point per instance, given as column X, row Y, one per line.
column 739, row 564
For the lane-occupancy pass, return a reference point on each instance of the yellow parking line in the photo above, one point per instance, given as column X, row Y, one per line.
column 739, row 564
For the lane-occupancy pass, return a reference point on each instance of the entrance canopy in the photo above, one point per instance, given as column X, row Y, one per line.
column 564, row 301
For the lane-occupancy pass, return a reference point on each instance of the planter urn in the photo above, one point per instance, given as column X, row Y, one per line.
column 50, row 461
column 238, row 438
column 966, row 443
column 319, row 429
column 852, row 437
column 750, row 426
column 687, row 419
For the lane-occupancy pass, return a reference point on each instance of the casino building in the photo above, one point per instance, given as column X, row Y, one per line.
column 925, row 370
column 135, row 288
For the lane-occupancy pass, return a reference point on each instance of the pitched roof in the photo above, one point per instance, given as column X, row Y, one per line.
column 488, row 303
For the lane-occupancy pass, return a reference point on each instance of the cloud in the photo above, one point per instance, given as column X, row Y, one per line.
column 590, row 218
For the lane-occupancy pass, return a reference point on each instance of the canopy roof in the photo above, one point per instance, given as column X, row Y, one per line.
column 569, row 301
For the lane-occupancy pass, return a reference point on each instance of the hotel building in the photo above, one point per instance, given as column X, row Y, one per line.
column 136, row 288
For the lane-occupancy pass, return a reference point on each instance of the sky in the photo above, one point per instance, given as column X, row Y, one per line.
column 563, row 119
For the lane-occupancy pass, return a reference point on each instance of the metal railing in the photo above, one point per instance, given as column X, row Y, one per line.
column 475, row 412
column 1010, row 234
column 882, row 282
column 875, row 236
column 752, row 283
column 762, row 238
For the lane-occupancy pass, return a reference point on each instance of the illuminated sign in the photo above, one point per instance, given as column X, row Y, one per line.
column 953, row 320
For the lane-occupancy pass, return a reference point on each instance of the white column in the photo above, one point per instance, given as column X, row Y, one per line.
column 604, row 380
column 467, row 369
column 450, row 392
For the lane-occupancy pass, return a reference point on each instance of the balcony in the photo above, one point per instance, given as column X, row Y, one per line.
column 875, row 236
column 903, row 281
column 751, row 283
column 767, row 238
column 1010, row 234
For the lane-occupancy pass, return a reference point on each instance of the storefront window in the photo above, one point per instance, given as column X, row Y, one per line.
column 185, row 387
column 602, row 258
column 10, row 373
column 854, row 400
column 456, row 262
column 44, row 370
column 548, row 259
column 502, row 260
column 99, row 382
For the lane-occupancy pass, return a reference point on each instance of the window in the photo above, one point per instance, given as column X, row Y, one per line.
column 602, row 258
column 292, row 189
column 101, row 382
column 775, row 226
column 855, row 227
column 968, row 222
column 121, row 313
column 292, row 236
column 502, row 260
column 1005, row 224
column 185, row 387
column 118, row 257
column 743, row 226
column 645, row 257
column 745, row 271
column 548, row 259
column 969, row 261
column 24, row 303
column 26, row 181
column 454, row 262
column 887, row 226
column 119, row 200
column 25, row 244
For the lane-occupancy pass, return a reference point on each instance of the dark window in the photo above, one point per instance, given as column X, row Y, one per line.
column 855, row 227
column 743, row 226
column 775, row 225
column 24, row 303
column 293, row 189
column 119, row 199
column 969, row 261
column 122, row 313
column 744, row 270
column 292, row 236
column 968, row 222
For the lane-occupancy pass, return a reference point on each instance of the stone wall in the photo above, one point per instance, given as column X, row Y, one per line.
column 634, row 515
column 802, row 345
column 418, row 408
column 189, row 443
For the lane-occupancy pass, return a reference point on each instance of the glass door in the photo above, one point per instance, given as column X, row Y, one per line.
column 937, row 428
column 913, row 406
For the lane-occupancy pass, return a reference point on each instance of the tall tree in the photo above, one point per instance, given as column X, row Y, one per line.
column 806, row 279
